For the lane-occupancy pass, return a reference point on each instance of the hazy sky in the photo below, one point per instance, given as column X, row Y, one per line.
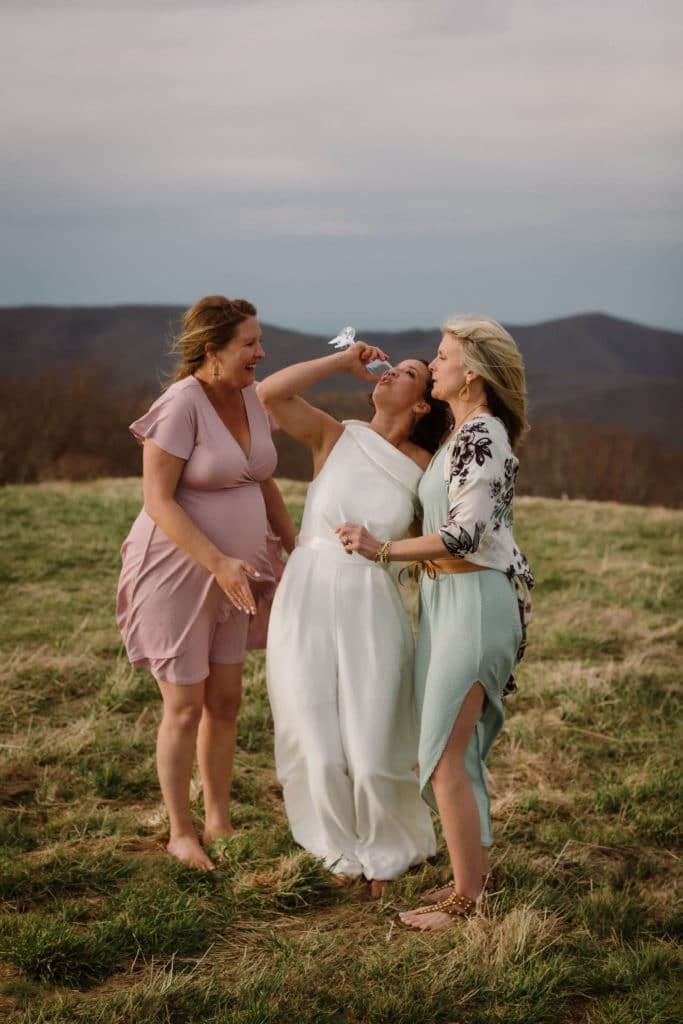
column 381, row 163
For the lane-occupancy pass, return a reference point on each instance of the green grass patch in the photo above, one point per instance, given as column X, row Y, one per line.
column 98, row 925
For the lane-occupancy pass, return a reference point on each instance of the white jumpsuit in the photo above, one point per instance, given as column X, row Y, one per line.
column 340, row 672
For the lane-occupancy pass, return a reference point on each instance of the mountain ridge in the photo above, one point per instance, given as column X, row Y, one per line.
column 591, row 366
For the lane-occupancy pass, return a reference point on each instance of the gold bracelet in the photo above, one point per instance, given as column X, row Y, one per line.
column 382, row 556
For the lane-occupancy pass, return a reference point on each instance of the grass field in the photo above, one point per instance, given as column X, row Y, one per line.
column 98, row 925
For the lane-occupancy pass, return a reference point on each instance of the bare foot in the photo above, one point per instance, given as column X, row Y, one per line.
column 435, row 921
column 343, row 881
column 188, row 851
column 378, row 886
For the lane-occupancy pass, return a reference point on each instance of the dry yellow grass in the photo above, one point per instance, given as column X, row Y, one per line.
column 585, row 787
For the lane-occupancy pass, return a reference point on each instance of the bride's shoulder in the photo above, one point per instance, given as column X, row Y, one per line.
column 420, row 456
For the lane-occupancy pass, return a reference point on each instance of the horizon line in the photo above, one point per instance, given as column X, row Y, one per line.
column 323, row 332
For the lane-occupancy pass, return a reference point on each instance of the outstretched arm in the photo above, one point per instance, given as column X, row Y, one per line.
column 477, row 462
column 280, row 393
column 411, row 549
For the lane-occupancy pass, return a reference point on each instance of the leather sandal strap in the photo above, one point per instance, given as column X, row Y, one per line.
column 488, row 882
column 454, row 905
column 438, row 888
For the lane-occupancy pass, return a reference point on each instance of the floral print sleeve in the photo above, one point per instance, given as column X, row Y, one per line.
column 480, row 476
column 479, row 480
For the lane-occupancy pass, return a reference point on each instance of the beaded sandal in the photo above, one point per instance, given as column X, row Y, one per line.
column 454, row 905
column 432, row 896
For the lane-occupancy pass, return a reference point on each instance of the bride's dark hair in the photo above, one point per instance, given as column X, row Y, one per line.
column 430, row 429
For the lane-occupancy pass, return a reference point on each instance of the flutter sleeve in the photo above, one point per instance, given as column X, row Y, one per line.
column 170, row 423
column 476, row 464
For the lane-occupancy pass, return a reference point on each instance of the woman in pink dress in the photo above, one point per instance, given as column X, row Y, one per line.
column 195, row 563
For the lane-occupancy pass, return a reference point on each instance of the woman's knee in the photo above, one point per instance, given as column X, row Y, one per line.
column 450, row 772
column 224, row 709
column 184, row 715
column 223, row 693
column 453, row 761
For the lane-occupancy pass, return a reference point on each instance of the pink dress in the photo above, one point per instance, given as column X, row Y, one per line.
column 173, row 616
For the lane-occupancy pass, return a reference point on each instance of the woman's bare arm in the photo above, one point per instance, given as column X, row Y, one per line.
column 278, row 514
column 280, row 393
column 412, row 549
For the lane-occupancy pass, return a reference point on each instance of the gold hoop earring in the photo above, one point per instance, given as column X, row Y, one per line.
column 464, row 392
column 217, row 372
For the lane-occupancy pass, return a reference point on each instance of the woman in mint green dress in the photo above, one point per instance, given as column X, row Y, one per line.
column 474, row 597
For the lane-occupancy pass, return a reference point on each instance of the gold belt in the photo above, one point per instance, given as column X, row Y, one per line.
column 438, row 567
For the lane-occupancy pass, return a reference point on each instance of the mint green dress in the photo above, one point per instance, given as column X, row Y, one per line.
column 470, row 628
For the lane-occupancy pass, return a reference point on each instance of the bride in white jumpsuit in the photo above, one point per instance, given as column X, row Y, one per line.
column 340, row 646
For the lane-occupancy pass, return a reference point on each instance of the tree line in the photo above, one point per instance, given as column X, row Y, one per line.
column 73, row 425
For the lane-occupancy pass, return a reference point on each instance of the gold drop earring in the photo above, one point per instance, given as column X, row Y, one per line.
column 464, row 392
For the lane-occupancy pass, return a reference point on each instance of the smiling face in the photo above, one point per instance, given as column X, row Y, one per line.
column 402, row 387
column 238, row 359
column 448, row 370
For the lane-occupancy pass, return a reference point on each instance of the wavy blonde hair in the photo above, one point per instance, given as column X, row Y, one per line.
column 212, row 323
column 489, row 350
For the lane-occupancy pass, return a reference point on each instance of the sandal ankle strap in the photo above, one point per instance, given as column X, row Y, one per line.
column 455, row 905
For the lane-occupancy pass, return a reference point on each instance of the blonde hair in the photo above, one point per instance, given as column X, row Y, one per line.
column 212, row 322
column 489, row 350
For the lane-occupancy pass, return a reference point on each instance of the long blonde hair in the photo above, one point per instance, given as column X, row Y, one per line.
column 211, row 321
column 489, row 350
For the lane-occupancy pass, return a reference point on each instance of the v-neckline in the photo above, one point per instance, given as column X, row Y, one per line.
column 450, row 443
column 226, row 428
column 451, row 440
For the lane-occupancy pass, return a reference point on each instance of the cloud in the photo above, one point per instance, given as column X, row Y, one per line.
column 369, row 125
